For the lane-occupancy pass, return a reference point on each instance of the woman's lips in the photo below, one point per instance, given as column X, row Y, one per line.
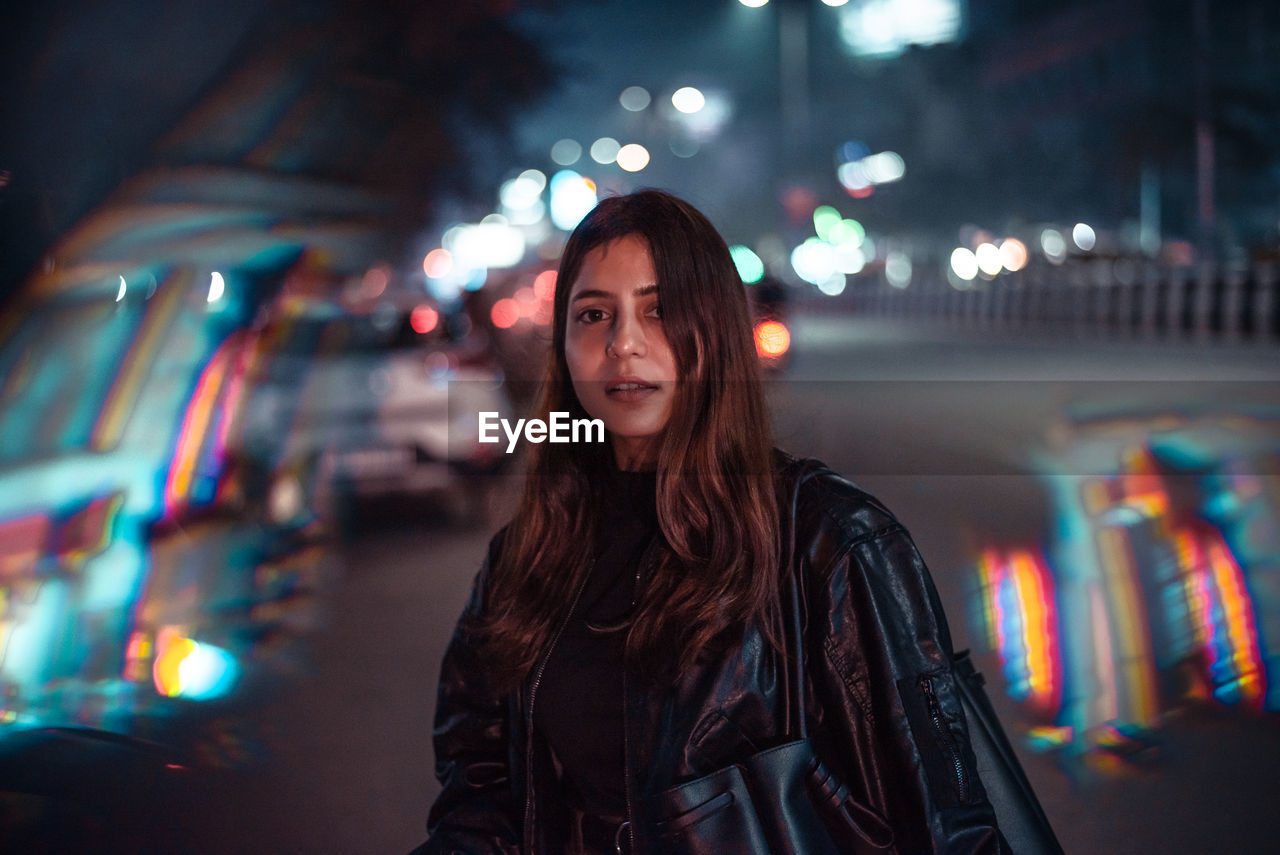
column 629, row 391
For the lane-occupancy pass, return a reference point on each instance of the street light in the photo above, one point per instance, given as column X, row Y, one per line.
column 688, row 100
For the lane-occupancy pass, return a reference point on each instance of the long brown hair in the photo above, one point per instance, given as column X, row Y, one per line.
column 717, row 509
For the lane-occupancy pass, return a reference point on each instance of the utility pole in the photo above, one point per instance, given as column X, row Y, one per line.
column 793, row 73
column 1204, row 128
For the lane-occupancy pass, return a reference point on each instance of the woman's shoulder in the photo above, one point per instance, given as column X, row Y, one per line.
column 827, row 506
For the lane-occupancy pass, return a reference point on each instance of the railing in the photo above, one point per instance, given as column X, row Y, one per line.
column 1096, row 298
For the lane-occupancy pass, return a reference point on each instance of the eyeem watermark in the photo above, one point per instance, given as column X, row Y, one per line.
column 561, row 428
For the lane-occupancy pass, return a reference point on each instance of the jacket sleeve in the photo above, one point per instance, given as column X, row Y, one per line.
column 475, row 813
column 880, row 665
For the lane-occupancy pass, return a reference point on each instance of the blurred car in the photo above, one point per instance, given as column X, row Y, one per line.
column 358, row 406
column 1156, row 589
column 119, row 383
column 770, row 327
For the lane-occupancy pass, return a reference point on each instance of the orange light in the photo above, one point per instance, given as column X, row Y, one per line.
column 505, row 313
column 423, row 319
column 544, row 285
column 437, row 263
column 172, row 648
column 772, row 339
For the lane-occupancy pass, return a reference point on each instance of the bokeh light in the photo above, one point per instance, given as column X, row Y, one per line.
column 423, row 319
column 544, row 285
column 988, row 258
column 1084, row 236
column 849, row 258
column 683, row 147
column 491, row 243
column 897, row 269
column 634, row 98
column 754, row 4
column 749, row 265
column 847, row 232
column 438, row 263
column 572, row 197
column 884, row 168
column 605, row 150
column 772, row 339
column 633, row 157
column 814, row 260
column 375, row 281
column 1053, row 245
column 566, row 152
column 688, row 100
column 853, row 177
column 964, row 263
column 884, row 28
column 217, row 287
column 1013, row 254
column 187, row 668
column 824, row 219
column 833, row 285
column 505, row 313
column 524, row 191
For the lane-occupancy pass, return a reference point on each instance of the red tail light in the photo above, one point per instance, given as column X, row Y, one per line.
column 772, row 339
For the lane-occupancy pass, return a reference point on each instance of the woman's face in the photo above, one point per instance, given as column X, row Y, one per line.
column 622, row 367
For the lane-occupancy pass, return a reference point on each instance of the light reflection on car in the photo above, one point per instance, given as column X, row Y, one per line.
column 1156, row 590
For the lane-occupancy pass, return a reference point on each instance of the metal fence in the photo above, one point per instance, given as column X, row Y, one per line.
column 1100, row 297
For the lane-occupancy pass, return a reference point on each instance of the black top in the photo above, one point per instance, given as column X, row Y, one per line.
column 578, row 706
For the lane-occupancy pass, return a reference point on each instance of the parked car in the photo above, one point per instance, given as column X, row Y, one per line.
column 361, row 406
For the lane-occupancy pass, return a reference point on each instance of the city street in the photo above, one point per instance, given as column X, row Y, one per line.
column 271, row 272
column 342, row 753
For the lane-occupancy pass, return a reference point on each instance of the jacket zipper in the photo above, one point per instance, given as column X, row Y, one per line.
column 626, row 773
column 533, row 690
column 944, row 736
column 646, row 560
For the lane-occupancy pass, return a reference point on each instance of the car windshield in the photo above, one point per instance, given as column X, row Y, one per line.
column 59, row 366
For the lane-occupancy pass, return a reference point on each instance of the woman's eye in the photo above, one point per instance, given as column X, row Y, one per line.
column 656, row 311
column 591, row 316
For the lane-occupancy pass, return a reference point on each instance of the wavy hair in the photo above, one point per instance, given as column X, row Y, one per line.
column 716, row 504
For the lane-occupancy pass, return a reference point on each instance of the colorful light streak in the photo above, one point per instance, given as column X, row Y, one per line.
column 1152, row 580
column 194, row 428
column 1022, row 620
column 1224, row 619
column 191, row 669
column 1131, row 648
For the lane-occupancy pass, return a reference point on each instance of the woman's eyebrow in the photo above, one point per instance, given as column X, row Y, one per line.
column 591, row 294
column 595, row 293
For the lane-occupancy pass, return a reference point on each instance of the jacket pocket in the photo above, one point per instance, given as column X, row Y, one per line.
column 712, row 814
column 781, row 801
column 934, row 714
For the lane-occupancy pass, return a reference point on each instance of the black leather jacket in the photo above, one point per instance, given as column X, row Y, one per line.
column 881, row 702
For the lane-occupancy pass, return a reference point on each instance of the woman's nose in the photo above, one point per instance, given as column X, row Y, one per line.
column 628, row 338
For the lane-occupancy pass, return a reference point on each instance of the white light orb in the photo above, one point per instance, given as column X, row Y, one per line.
column 634, row 98
column 964, row 263
column 988, row 258
column 605, row 150
column 688, row 100
column 633, row 157
column 1084, row 236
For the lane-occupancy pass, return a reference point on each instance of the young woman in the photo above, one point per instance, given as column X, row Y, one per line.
column 626, row 632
